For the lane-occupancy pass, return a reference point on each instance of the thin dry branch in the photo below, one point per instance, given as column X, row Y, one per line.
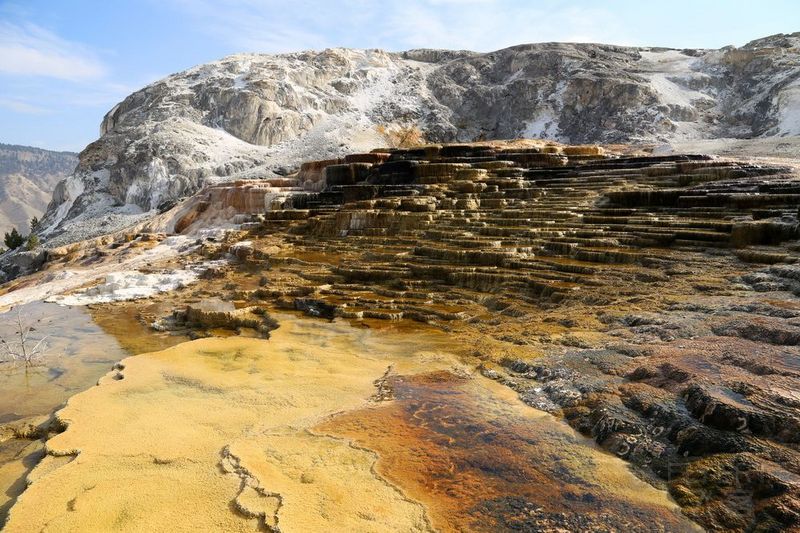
column 21, row 348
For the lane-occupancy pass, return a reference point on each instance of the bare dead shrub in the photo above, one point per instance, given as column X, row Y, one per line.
column 22, row 347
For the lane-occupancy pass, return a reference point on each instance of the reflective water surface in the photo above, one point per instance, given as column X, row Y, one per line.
column 78, row 351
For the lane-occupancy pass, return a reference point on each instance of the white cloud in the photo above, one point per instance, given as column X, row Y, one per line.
column 43, row 74
column 29, row 50
column 20, row 106
column 262, row 26
column 480, row 25
column 459, row 2
column 485, row 26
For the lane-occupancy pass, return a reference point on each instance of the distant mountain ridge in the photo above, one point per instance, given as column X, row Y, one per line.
column 252, row 115
column 28, row 176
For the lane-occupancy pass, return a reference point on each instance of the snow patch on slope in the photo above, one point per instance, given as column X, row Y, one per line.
column 545, row 124
column 673, row 66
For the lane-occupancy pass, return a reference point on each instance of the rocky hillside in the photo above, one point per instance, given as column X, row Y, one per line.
column 27, row 179
column 258, row 115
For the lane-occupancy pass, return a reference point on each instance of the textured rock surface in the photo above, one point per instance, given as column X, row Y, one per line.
column 253, row 115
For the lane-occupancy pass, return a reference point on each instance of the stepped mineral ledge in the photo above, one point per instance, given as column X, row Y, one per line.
column 347, row 303
column 259, row 115
column 434, row 314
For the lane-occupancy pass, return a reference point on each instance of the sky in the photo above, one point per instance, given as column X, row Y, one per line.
column 65, row 63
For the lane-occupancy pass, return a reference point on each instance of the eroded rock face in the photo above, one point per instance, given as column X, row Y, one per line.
column 251, row 115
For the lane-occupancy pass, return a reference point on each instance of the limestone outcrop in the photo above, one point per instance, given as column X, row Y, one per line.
column 255, row 115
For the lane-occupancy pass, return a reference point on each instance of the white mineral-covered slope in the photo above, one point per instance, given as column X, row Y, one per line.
column 58, row 282
column 254, row 115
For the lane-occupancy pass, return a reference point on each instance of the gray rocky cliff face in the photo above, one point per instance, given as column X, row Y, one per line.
column 248, row 115
column 572, row 92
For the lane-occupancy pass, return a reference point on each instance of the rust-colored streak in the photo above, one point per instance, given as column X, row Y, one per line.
column 480, row 464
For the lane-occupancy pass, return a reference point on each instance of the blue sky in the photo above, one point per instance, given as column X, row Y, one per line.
column 63, row 64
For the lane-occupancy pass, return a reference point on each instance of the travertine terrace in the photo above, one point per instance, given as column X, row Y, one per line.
column 397, row 267
column 649, row 301
column 258, row 115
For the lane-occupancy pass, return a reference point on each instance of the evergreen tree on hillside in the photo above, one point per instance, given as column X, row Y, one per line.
column 14, row 239
column 34, row 224
column 32, row 243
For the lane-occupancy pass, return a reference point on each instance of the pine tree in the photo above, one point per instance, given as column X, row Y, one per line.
column 32, row 243
column 34, row 224
column 14, row 239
